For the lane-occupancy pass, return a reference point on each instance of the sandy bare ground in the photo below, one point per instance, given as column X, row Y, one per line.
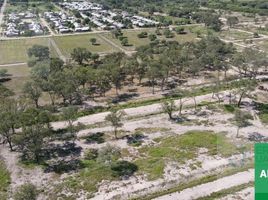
column 208, row 188
column 246, row 194
column 132, row 112
column 20, row 175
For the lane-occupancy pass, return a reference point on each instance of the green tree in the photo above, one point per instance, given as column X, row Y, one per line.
column 153, row 73
column 93, row 41
column 32, row 91
column 115, row 118
column 70, row 114
column 9, row 115
column 241, row 119
column 38, row 51
column 169, row 107
column 80, row 55
column 152, row 37
column 35, row 128
column 124, row 42
column 232, row 21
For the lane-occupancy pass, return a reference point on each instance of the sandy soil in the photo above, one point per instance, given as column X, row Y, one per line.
column 208, row 188
column 246, row 194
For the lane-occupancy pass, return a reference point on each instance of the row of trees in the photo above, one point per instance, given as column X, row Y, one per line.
column 156, row 64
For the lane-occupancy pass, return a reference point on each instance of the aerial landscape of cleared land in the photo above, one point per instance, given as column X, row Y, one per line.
column 108, row 100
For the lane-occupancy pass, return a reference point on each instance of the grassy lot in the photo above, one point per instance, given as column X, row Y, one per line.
column 68, row 43
column 87, row 179
column 17, row 71
column 14, row 51
column 22, row 7
column 135, row 42
column 235, row 35
column 181, row 148
column 19, row 75
column 4, row 180
column 263, row 45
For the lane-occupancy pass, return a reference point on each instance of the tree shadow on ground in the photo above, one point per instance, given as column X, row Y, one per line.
column 180, row 119
column 124, row 169
column 136, row 139
column 62, row 150
column 124, row 97
column 95, row 138
column 64, row 166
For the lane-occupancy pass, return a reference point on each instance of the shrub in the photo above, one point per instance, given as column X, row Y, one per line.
column 26, row 192
column 143, row 35
column 108, row 154
column 124, row 168
column 91, row 154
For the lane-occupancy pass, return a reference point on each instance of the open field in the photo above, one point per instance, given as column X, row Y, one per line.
column 135, row 42
column 15, row 51
column 160, row 155
column 175, row 119
column 38, row 6
column 19, row 75
column 68, row 43
column 235, row 35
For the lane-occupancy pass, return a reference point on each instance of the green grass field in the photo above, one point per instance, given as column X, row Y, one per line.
column 181, row 148
column 135, row 42
column 4, row 180
column 235, row 35
column 19, row 75
column 22, row 7
column 67, row 43
column 14, row 51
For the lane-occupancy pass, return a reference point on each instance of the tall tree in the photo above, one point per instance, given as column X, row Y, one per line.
column 115, row 118
column 80, row 55
column 169, row 107
column 9, row 115
column 39, row 51
column 32, row 91
column 70, row 114
column 241, row 119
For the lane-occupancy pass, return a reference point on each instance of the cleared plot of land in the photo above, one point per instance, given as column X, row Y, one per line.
column 215, row 186
column 68, row 43
column 134, row 41
column 235, row 35
column 22, row 7
column 263, row 45
column 17, row 71
column 14, row 51
column 182, row 148
column 19, row 75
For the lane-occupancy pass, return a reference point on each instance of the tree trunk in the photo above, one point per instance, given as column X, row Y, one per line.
column 51, row 98
column 36, row 103
column 10, row 144
column 170, row 115
column 180, row 107
column 153, row 85
column 116, row 90
column 195, row 105
column 237, row 132
column 240, row 100
column 162, row 84
column 115, row 133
